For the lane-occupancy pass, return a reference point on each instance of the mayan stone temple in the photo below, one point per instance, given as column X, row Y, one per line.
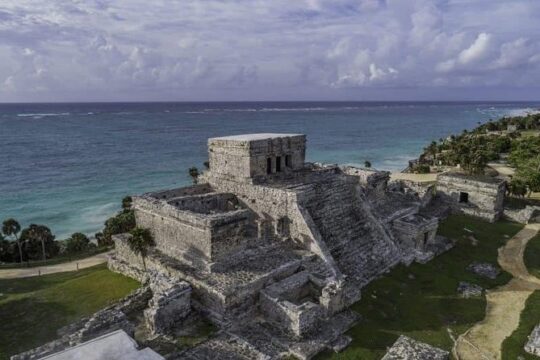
column 273, row 250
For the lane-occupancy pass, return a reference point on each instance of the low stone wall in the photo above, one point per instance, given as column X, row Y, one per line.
column 525, row 215
column 210, row 203
column 183, row 191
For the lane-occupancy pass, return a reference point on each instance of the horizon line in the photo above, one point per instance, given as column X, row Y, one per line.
column 262, row 101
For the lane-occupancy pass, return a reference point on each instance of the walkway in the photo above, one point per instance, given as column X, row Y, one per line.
column 504, row 304
column 51, row 269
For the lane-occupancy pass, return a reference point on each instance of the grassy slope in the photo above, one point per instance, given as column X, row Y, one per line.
column 32, row 309
column 512, row 347
column 425, row 306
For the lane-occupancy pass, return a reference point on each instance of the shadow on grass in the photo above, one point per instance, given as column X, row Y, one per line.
column 30, row 322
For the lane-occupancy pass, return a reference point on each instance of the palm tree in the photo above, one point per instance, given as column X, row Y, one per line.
column 11, row 228
column 141, row 239
column 39, row 233
column 194, row 173
column 126, row 203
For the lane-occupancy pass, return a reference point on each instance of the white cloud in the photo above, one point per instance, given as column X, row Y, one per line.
column 136, row 50
column 477, row 50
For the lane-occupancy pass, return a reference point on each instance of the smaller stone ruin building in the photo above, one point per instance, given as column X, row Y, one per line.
column 273, row 249
column 480, row 196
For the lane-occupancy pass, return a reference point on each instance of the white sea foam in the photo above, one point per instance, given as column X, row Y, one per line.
column 296, row 109
column 40, row 115
column 500, row 112
column 523, row 112
column 93, row 217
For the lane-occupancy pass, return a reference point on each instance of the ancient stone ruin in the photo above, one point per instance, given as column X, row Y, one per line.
column 269, row 248
column 481, row 196
column 272, row 249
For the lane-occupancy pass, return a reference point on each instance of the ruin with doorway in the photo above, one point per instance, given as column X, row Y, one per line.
column 477, row 195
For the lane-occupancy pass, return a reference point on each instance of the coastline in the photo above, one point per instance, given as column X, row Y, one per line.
column 114, row 150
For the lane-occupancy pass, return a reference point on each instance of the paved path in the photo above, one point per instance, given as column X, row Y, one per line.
column 51, row 269
column 504, row 304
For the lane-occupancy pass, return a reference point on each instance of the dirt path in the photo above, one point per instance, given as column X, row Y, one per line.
column 51, row 269
column 504, row 304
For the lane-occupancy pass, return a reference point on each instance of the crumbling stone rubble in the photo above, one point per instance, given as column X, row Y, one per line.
column 486, row 270
column 169, row 305
column 406, row 348
column 468, row 290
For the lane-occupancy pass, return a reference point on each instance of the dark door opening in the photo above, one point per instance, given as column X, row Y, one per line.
column 426, row 238
column 288, row 161
column 278, row 163
column 269, row 165
column 463, row 197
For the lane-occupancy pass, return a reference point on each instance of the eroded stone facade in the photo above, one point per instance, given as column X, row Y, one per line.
column 479, row 196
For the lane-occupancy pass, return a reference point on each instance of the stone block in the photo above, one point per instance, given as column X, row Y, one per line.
column 406, row 348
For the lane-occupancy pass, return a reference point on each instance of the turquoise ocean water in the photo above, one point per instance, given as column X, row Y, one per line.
column 68, row 165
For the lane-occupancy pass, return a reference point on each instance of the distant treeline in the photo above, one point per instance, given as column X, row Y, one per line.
column 514, row 138
column 37, row 242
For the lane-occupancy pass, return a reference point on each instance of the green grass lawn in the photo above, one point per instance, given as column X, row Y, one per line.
column 33, row 309
column 512, row 346
column 56, row 260
column 531, row 257
column 421, row 301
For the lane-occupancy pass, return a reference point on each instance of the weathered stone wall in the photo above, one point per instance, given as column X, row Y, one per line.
column 180, row 234
column 289, row 305
column 415, row 232
column 170, row 303
column 424, row 191
column 212, row 294
column 485, row 196
column 369, row 178
column 197, row 238
column 245, row 157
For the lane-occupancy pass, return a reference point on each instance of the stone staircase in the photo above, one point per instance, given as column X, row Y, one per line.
column 359, row 244
column 334, row 212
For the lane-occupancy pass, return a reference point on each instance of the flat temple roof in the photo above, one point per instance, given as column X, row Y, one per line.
column 253, row 137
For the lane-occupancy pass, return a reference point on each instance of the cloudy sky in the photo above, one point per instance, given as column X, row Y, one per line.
column 95, row 50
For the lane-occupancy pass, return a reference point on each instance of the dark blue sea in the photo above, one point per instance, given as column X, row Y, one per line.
column 68, row 165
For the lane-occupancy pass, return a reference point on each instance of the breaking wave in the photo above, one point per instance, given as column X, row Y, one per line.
column 40, row 115
column 496, row 113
